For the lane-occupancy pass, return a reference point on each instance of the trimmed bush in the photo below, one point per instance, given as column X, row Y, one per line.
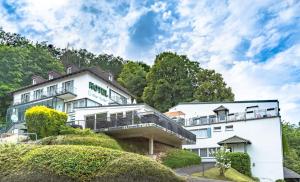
column 79, row 163
column 67, row 130
column 44, row 121
column 101, row 140
column 241, row 162
column 177, row 158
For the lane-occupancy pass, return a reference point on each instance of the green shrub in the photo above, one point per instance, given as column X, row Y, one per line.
column 279, row 180
column 176, row 158
column 66, row 130
column 79, row 163
column 44, row 121
column 241, row 162
column 101, row 140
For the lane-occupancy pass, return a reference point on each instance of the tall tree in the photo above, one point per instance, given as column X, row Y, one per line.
column 133, row 77
column 211, row 87
column 170, row 80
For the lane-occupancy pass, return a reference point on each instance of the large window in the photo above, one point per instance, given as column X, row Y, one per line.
column 25, row 97
column 37, row 94
column 117, row 97
column 68, row 86
column 80, row 103
column 203, row 152
column 52, row 90
column 202, row 133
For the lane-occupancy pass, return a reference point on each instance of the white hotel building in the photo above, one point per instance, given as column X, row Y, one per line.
column 243, row 126
column 93, row 99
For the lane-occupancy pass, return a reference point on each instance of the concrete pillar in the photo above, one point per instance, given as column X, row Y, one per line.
column 151, row 146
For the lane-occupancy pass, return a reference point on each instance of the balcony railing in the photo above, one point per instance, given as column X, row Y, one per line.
column 135, row 119
column 231, row 117
column 45, row 94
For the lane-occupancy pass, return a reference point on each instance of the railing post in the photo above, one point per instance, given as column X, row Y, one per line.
column 95, row 124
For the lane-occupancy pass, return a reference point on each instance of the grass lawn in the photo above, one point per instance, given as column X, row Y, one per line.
column 231, row 174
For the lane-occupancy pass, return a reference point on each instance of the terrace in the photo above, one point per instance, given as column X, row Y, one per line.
column 135, row 123
column 233, row 117
column 61, row 93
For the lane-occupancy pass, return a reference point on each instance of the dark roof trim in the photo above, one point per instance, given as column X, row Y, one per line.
column 220, row 108
column 249, row 107
column 90, row 70
column 234, row 140
column 227, row 102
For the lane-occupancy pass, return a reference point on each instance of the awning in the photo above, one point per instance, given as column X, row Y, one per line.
column 234, row 140
column 289, row 174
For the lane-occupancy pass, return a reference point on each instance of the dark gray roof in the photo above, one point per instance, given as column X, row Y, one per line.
column 234, row 140
column 221, row 108
column 94, row 70
column 289, row 174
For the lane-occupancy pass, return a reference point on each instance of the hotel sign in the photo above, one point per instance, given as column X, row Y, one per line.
column 98, row 89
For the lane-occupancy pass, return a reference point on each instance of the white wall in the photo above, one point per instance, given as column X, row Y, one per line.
column 81, row 85
column 265, row 135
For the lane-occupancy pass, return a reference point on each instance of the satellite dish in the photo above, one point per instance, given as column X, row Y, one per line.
column 14, row 118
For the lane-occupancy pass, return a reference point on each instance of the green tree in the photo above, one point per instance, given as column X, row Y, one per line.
column 211, row 87
column 222, row 160
column 170, row 80
column 133, row 77
column 291, row 134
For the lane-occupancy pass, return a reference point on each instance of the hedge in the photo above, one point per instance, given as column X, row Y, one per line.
column 44, row 121
column 77, row 163
column 177, row 158
column 101, row 140
column 241, row 162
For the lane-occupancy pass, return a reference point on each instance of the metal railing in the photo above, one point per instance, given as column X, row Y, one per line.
column 45, row 94
column 134, row 119
column 231, row 117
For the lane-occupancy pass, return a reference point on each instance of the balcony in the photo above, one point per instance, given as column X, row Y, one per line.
column 139, row 124
column 62, row 93
column 232, row 117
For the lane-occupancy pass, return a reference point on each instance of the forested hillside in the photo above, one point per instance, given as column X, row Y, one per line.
column 171, row 79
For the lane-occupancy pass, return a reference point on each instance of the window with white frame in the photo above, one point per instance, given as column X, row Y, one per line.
column 203, row 152
column 37, row 94
column 52, row 90
column 229, row 128
column 202, row 133
column 217, row 128
column 69, row 70
column 25, row 97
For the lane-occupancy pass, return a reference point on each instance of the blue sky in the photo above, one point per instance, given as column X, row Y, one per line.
column 254, row 44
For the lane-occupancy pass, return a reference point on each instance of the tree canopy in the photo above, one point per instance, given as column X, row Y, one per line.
column 174, row 78
column 133, row 77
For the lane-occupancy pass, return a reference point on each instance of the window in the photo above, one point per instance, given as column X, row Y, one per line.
column 217, row 129
column 52, row 90
column 212, row 119
column 37, row 94
column 110, row 77
column 203, row 152
column 70, row 107
column 68, row 86
column 69, row 70
column 33, row 81
column 222, row 116
column 50, row 77
column 229, row 128
column 117, row 97
column 25, row 97
column 202, row 133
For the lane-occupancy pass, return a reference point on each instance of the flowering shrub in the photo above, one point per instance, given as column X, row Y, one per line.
column 44, row 121
column 222, row 160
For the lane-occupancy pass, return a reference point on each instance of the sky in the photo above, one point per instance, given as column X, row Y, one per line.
column 254, row 44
